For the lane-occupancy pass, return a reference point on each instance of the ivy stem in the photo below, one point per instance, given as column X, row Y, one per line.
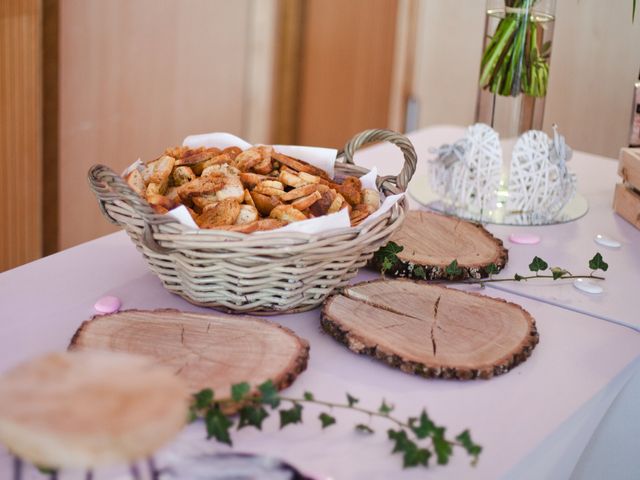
column 371, row 413
column 566, row 277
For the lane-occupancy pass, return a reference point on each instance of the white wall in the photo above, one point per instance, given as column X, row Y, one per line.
column 595, row 61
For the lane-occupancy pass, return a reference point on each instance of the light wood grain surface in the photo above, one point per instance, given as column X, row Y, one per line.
column 20, row 132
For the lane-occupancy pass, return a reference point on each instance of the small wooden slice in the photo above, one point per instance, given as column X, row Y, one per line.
column 86, row 409
column 206, row 351
column 432, row 241
column 430, row 330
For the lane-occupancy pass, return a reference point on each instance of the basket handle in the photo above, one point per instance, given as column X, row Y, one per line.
column 108, row 186
column 401, row 181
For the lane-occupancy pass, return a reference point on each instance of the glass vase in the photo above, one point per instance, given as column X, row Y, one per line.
column 514, row 71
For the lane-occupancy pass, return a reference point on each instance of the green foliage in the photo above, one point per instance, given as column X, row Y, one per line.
column 387, row 256
column 597, row 263
column 218, row 425
column 291, row 415
column 558, row 272
column 352, row 400
column 252, row 416
column 491, row 269
column 538, row 265
column 361, row 427
column 239, row 391
column 252, row 411
column 269, row 394
column 203, row 398
column 453, row 270
column 385, row 409
column 326, row 419
column 518, row 278
column 420, row 272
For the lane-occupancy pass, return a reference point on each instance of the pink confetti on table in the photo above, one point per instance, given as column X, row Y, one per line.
column 107, row 304
column 524, row 238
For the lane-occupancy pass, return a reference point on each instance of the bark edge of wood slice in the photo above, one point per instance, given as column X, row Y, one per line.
column 418, row 328
column 206, row 350
column 432, row 241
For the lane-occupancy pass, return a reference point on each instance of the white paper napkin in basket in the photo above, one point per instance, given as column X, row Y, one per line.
column 323, row 158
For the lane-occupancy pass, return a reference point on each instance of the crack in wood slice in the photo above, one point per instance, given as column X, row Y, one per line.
column 207, row 351
column 432, row 241
column 430, row 330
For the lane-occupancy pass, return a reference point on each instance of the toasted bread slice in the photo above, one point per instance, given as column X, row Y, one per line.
column 248, row 214
column 304, row 203
column 182, row 175
column 136, row 182
column 264, row 203
column 222, row 213
column 351, row 190
column 299, row 192
column 287, row 213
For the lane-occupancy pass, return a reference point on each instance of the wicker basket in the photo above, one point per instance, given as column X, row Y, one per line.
column 267, row 273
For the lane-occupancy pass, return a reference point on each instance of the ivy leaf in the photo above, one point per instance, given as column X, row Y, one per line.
column 239, row 391
column 441, row 446
column 308, row 396
column 218, row 425
column 203, row 398
column 387, row 256
column 416, row 456
column 424, row 428
column 252, row 416
column 538, row 265
column 400, row 438
column 420, row 272
column 558, row 272
column 491, row 269
column 597, row 263
column 361, row 427
column 452, row 269
column 518, row 278
column 269, row 394
column 326, row 419
column 352, row 400
column 291, row 415
column 385, row 409
column 472, row 449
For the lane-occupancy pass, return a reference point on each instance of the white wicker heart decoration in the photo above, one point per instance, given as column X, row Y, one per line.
column 467, row 173
column 539, row 182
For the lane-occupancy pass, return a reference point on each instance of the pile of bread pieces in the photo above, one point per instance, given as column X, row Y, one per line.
column 247, row 191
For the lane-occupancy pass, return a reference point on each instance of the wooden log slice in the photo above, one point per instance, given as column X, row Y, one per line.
column 207, row 351
column 87, row 409
column 432, row 241
column 430, row 330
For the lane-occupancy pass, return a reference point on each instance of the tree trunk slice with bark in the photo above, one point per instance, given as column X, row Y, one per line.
column 431, row 330
column 432, row 241
column 207, row 351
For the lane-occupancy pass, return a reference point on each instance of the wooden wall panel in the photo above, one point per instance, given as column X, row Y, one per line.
column 347, row 64
column 137, row 76
column 20, row 131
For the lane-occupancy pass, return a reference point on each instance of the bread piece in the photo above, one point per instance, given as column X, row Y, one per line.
column 220, row 159
column 299, row 165
column 136, row 182
column 321, row 207
column 222, row 213
column 337, row 204
column 201, row 202
column 232, row 188
column 87, row 409
column 351, row 190
column 360, row 212
column 161, row 201
column 182, row 175
column 264, row 203
column 250, row 179
column 221, row 168
column 248, row 214
column 269, row 224
column 299, row 192
column 247, row 198
column 201, row 186
column 287, row 213
column 195, row 157
column 308, row 178
column 274, row 192
column 158, row 172
column 252, row 157
column 371, row 197
column 289, row 178
column 306, row 202
column 233, row 152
